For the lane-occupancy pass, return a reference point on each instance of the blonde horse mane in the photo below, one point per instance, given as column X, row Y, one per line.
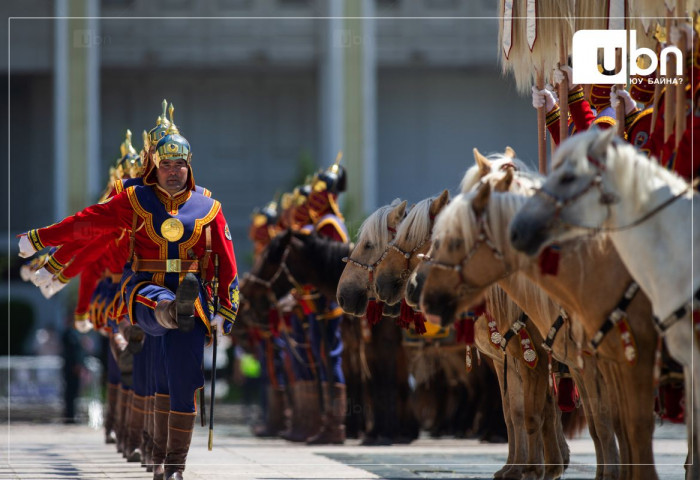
column 374, row 228
column 416, row 226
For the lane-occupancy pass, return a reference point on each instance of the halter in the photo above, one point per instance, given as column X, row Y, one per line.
column 606, row 198
column 408, row 254
column 283, row 268
column 370, row 268
column 463, row 288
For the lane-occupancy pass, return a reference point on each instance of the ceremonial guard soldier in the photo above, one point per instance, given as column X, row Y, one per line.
column 179, row 243
column 325, row 315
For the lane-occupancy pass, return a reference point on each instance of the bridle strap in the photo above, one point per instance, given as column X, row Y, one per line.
column 554, row 330
column 668, row 322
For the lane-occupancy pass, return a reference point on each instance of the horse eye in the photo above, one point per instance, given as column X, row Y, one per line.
column 368, row 246
column 567, row 177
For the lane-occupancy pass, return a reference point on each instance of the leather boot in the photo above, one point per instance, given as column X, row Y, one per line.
column 179, row 313
column 133, row 443
column 110, row 414
column 275, row 415
column 147, row 437
column 306, row 416
column 161, row 414
column 127, row 422
column 333, row 429
column 119, row 417
column 180, row 428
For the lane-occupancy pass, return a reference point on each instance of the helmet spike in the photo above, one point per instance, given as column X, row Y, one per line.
column 171, row 109
column 144, row 137
column 165, row 107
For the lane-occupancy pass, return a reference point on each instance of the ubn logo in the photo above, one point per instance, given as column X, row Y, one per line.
column 584, row 57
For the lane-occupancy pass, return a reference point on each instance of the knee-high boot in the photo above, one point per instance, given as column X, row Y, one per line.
column 333, row 429
column 180, row 429
column 147, row 436
column 110, row 414
column 135, row 429
column 161, row 413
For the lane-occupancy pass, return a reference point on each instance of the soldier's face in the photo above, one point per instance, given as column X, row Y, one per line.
column 172, row 175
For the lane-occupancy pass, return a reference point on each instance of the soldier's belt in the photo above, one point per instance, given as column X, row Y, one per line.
column 165, row 266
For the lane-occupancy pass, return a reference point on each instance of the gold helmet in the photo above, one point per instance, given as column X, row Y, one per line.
column 172, row 145
column 129, row 164
column 158, row 132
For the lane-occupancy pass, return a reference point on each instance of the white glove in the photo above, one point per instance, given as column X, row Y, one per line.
column 41, row 277
column 618, row 95
column 52, row 288
column 120, row 341
column 83, row 326
column 25, row 272
column 26, row 249
column 287, row 303
column 561, row 73
column 543, row 98
column 675, row 36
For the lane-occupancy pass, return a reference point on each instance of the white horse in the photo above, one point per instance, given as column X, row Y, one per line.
column 602, row 184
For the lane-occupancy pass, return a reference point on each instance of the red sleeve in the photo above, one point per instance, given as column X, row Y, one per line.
column 97, row 249
column 580, row 110
column 552, row 121
column 86, row 225
column 222, row 246
column 88, row 282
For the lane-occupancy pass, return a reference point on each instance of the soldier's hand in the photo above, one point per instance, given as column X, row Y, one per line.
column 564, row 72
column 223, row 325
column 26, row 249
column 52, row 287
column 621, row 95
column 83, row 326
column 286, row 304
column 41, row 277
column 543, row 98
column 25, row 272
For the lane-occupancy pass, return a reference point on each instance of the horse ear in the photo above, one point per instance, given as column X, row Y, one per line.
column 439, row 203
column 603, row 140
column 503, row 184
column 483, row 163
column 397, row 214
column 482, row 198
column 510, row 153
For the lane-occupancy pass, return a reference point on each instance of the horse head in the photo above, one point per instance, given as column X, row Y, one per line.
column 467, row 253
column 577, row 193
column 356, row 284
column 266, row 283
column 402, row 253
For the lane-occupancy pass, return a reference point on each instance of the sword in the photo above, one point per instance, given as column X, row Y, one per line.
column 215, row 292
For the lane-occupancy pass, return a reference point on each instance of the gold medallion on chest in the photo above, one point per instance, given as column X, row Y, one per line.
column 172, row 229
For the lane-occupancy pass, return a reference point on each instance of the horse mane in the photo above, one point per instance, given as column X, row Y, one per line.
column 458, row 219
column 472, row 176
column 325, row 255
column 374, row 228
column 416, row 226
column 635, row 174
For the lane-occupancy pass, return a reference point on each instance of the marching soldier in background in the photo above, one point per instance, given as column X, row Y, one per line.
column 177, row 235
column 325, row 315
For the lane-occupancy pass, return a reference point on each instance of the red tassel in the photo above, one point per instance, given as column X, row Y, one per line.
column 468, row 330
column 549, row 260
column 478, row 311
column 273, row 319
column 568, row 395
column 374, row 312
column 419, row 323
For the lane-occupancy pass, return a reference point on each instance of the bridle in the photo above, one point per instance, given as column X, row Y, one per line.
column 282, row 268
column 463, row 287
column 606, row 198
column 408, row 254
column 371, row 268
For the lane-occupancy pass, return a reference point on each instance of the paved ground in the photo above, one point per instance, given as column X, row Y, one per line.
column 52, row 451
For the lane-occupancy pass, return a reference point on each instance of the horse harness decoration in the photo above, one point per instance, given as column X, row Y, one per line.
column 618, row 317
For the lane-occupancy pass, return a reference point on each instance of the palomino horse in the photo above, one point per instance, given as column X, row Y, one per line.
column 588, row 294
column 525, row 400
column 602, row 184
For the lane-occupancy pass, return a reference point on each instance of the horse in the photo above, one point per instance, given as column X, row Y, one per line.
column 379, row 360
column 591, row 285
column 602, row 185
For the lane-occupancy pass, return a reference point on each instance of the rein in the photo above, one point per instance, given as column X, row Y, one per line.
column 282, row 268
column 408, row 254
